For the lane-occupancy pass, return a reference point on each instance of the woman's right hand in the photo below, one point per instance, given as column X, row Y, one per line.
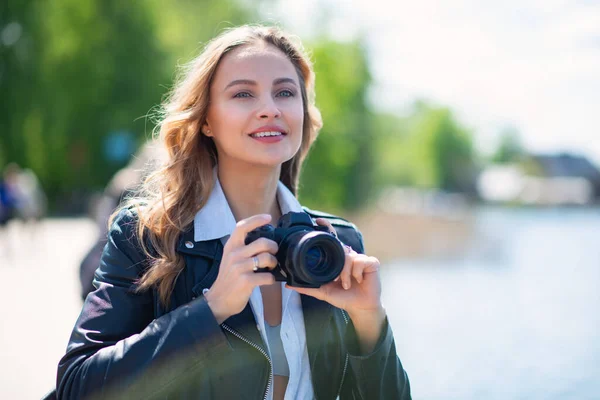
column 236, row 279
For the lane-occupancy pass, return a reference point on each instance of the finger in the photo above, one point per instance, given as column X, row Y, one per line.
column 262, row 260
column 357, row 270
column 371, row 265
column 246, row 225
column 324, row 222
column 345, row 275
column 347, row 250
column 261, row 245
column 364, row 264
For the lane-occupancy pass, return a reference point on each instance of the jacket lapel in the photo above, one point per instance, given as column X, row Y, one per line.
column 316, row 315
column 207, row 248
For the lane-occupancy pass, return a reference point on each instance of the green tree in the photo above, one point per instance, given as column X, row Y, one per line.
column 509, row 148
column 80, row 71
column 19, row 68
column 338, row 171
column 393, row 162
column 184, row 26
column 428, row 149
column 84, row 69
column 443, row 150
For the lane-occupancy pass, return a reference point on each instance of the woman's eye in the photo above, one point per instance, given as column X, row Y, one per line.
column 242, row 95
column 286, row 93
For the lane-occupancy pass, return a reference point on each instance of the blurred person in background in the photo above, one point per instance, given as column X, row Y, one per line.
column 21, row 199
column 122, row 186
column 33, row 202
column 9, row 193
column 178, row 310
column 9, row 200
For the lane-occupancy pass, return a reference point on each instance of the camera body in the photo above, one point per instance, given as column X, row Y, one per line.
column 308, row 255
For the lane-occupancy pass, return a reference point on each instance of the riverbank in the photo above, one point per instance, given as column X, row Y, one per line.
column 391, row 236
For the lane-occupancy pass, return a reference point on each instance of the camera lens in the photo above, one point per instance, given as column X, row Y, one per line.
column 316, row 257
column 315, row 260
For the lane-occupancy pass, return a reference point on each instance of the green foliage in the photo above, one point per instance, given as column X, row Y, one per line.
column 394, row 162
column 183, row 27
column 19, row 66
column 443, row 147
column 427, row 149
column 338, row 170
column 509, row 148
column 84, row 69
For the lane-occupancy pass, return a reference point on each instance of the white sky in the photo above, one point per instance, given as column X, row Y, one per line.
column 531, row 64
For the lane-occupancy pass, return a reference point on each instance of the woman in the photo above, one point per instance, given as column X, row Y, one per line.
column 178, row 310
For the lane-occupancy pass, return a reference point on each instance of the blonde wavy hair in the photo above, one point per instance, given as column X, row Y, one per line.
column 171, row 196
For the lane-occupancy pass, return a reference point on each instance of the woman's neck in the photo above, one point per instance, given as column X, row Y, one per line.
column 251, row 192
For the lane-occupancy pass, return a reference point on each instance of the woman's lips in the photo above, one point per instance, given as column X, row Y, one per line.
column 268, row 137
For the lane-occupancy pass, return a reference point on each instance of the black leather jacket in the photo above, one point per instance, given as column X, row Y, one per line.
column 127, row 345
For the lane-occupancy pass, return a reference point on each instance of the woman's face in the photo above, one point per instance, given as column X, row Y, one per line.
column 255, row 115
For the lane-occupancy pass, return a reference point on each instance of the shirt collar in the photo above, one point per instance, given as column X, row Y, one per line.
column 215, row 220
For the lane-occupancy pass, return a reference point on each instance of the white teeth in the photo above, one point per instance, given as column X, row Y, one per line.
column 264, row 134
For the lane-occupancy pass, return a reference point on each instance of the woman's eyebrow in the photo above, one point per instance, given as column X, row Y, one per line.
column 284, row 80
column 277, row 81
column 240, row 82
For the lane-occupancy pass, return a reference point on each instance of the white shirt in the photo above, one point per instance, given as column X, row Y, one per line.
column 216, row 221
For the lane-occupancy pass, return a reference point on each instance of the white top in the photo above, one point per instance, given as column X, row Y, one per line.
column 280, row 363
column 215, row 221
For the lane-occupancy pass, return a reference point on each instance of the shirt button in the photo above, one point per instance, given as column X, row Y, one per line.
column 189, row 244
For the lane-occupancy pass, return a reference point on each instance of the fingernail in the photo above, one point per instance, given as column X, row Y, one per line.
column 345, row 285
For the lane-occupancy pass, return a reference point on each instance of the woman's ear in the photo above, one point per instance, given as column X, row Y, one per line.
column 206, row 130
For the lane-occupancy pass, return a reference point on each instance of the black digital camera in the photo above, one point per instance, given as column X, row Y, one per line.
column 308, row 255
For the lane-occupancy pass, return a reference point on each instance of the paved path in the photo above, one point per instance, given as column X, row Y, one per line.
column 39, row 298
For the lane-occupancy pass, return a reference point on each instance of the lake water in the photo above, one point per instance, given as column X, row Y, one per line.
column 517, row 318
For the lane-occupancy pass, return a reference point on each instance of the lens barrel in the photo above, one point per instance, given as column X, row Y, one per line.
column 314, row 257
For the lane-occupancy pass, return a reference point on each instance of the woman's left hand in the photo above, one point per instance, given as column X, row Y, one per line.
column 358, row 288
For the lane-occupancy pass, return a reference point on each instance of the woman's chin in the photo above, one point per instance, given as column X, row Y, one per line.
column 269, row 163
column 271, row 160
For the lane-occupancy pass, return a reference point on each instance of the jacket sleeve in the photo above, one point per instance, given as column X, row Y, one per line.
column 117, row 343
column 379, row 374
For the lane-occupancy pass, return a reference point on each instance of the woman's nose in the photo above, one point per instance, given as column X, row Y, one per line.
column 268, row 109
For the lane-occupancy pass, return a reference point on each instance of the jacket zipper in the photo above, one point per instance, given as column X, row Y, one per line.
column 345, row 362
column 264, row 353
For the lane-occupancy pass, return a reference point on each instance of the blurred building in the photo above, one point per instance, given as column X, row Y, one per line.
column 562, row 179
column 569, row 166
